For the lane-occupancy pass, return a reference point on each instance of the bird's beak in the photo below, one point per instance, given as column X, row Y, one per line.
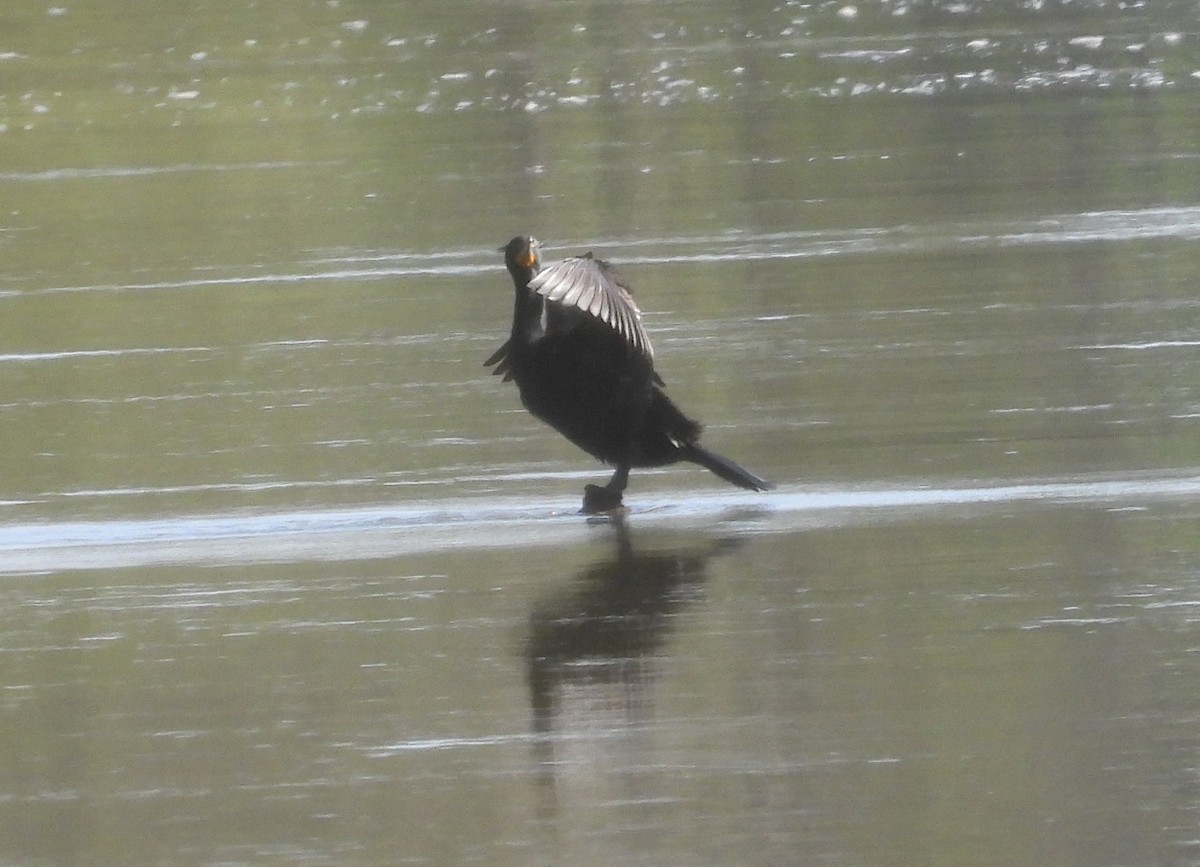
column 529, row 258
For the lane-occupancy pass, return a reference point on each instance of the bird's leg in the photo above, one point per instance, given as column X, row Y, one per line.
column 604, row 499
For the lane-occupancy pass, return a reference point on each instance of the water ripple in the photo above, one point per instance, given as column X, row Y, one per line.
column 1115, row 226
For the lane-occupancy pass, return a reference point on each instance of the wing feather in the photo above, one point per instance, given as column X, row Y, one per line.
column 576, row 290
column 502, row 358
column 599, row 306
column 593, row 287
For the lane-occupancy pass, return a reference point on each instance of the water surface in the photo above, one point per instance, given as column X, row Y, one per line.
column 287, row 577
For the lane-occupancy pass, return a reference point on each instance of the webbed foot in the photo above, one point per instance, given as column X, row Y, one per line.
column 597, row 499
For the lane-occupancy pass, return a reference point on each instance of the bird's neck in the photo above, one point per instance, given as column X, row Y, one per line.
column 527, row 308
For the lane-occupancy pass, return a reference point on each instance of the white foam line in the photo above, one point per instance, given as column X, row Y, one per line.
column 71, row 174
column 446, row 743
column 99, row 353
column 340, row 275
column 1149, row 344
column 372, row 532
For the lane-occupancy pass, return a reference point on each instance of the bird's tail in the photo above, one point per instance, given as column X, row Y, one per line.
column 725, row 468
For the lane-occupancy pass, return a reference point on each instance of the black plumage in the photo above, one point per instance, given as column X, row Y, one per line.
column 583, row 363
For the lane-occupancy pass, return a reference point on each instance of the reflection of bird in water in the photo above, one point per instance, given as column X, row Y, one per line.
column 583, row 364
column 594, row 650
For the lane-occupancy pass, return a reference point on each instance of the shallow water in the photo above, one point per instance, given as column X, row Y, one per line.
column 287, row 577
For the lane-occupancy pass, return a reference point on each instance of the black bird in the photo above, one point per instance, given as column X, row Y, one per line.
column 583, row 364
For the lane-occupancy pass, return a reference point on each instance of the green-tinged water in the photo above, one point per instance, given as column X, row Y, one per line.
column 286, row 577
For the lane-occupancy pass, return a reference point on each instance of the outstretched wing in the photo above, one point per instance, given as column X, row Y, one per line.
column 594, row 287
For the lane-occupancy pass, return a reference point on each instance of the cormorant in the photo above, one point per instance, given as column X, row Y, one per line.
column 584, row 365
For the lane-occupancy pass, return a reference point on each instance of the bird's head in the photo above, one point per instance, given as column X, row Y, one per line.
column 521, row 254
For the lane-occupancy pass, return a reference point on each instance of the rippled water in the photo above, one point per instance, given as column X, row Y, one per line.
column 287, row 577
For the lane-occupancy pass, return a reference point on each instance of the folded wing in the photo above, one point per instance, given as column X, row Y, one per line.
column 502, row 361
